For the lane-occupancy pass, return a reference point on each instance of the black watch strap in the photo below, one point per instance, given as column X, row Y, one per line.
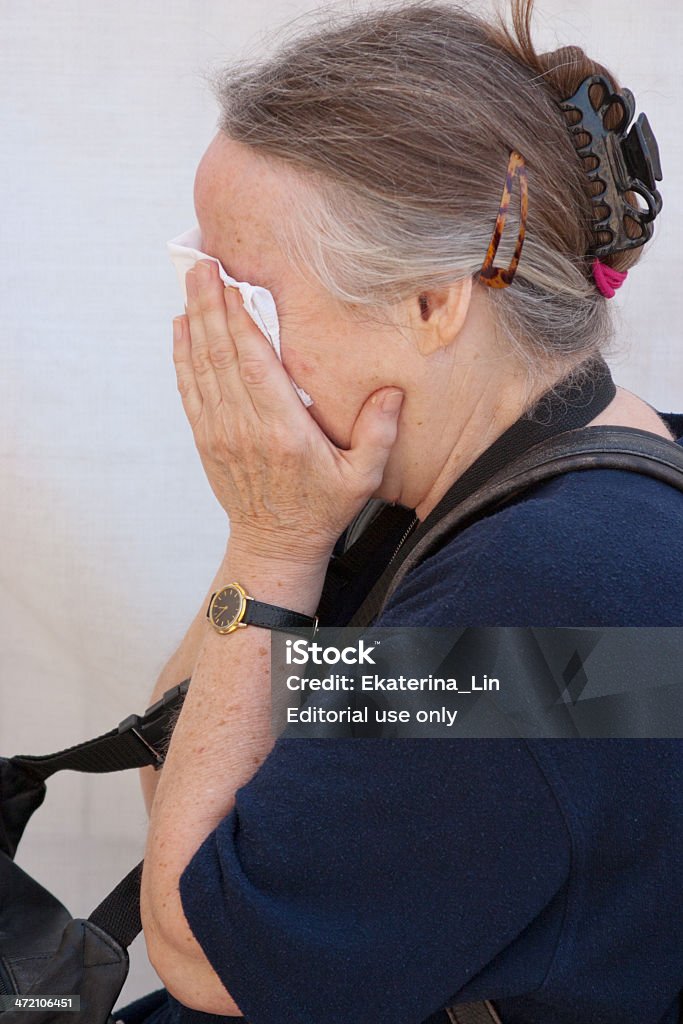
column 269, row 616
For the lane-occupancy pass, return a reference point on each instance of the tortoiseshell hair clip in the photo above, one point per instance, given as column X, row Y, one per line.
column 501, row 277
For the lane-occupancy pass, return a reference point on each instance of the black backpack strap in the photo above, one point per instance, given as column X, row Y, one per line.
column 137, row 741
column 600, row 447
column 119, row 912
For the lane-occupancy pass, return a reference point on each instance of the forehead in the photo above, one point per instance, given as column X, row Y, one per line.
column 236, row 197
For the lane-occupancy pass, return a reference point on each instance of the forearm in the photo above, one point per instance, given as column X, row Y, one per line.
column 179, row 667
column 222, row 736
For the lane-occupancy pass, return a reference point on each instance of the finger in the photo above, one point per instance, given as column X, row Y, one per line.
column 261, row 372
column 374, row 434
column 182, row 360
column 201, row 360
column 220, row 345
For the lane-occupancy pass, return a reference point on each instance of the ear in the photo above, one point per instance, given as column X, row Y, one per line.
column 442, row 314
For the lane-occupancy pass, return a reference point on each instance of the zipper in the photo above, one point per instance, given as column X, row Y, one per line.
column 403, row 539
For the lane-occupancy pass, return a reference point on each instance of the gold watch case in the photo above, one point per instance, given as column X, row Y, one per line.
column 227, row 608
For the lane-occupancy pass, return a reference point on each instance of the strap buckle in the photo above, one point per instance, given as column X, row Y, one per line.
column 131, row 724
column 154, row 721
column 159, row 709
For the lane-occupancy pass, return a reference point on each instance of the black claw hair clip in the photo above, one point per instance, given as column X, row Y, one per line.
column 627, row 161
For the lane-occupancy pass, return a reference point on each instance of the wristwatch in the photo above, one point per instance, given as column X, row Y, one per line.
column 231, row 608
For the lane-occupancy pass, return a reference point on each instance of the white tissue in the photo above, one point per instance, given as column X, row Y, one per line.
column 258, row 302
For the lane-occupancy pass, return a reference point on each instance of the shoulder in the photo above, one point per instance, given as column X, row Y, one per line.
column 593, row 547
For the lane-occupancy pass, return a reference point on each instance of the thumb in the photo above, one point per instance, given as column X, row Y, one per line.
column 374, row 434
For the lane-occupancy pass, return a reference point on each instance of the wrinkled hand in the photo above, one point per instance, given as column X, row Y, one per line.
column 288, row 491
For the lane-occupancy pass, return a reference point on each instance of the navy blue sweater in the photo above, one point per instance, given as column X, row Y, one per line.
column 376, row 881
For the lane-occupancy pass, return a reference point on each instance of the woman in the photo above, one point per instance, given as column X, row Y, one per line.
column 357, row 175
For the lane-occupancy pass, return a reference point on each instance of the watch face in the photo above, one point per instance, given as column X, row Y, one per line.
column 227, row 608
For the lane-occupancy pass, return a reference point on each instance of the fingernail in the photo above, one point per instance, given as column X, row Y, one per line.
column 392, row 401
column 177, row 329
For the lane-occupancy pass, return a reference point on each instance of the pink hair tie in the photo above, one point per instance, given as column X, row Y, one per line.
column 607, row 278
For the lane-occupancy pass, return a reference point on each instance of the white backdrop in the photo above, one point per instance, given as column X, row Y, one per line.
column 110, row 532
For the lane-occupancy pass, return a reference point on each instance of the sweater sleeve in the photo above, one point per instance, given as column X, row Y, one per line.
column 372, row 880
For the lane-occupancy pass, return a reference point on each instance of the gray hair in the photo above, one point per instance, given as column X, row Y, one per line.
column 399, row 122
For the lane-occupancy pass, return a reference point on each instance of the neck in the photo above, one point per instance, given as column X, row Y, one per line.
column 498, row 403
column 466, row 395
column 479, row 426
